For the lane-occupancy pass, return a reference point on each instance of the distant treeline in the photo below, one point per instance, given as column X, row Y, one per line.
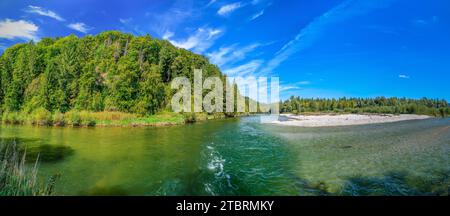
column 393, row 105
column 111, row 71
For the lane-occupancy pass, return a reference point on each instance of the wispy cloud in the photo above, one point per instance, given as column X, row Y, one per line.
column 43, row 12
column 420, row 22
column 257, row 15
column 310, row 33
column 304, row 83
column 79, row 26
column 125, row 21
column 201, row 40
column 245, row 69
column 179, row 12
column 231, row 54
column 229, row 8
column 211, row 2
column 284, row 88
column 293, row 86
column 167, row 35
column 12, row 29
column 403, row 76
column 423, row 22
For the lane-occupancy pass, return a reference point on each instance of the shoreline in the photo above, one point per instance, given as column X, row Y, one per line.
column 86, row 119
column 328, row 120
column 167, row 119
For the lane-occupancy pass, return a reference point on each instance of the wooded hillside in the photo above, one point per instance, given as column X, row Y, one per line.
column 111, row 71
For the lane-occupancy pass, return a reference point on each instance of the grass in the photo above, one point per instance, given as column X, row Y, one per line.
column 75, row 118
column 12, row 118
column 16, row 178
column 42, row 117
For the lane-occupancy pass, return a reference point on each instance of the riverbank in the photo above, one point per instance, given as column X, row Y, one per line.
column 42, row 117
column 328, row 120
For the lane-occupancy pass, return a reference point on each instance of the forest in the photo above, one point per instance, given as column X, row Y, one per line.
column 393, row 105
column 109, row 72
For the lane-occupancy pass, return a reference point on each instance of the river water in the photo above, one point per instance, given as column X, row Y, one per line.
column 242, row 157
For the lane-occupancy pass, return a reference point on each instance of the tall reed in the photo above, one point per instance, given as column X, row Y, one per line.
column 17, row 178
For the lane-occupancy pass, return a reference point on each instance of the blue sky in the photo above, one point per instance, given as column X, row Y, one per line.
column 318, row 48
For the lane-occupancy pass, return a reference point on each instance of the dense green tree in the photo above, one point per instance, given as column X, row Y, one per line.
column 152, row 92
column 108, row 71
column 166, row 57
column 367, row 105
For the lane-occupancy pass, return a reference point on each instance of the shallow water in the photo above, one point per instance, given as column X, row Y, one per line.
column 243, row 157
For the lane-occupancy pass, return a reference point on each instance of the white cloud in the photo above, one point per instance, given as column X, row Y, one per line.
column 43, row 12
column 200, row 41
column 79, row 26
column 214, row 32
column 293, row 86
column 309, row 34
column 423, row 22
column 304, row 83
column 125, row 21
column 229, row 8
column 167, row 35
column 230, row 54
column 211, row 2
column 403, row 76
column 288, row 88
column 257, row 15
column 179, row 12
column 219, row 57
column 245, row 69
column 11, row 29
column 420, row 22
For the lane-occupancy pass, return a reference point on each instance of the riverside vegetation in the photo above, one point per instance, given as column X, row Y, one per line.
column 18, row 179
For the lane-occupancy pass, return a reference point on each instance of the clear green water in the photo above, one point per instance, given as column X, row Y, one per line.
column 243, row 157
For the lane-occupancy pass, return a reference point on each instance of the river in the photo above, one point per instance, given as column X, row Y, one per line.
column 243, row 157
